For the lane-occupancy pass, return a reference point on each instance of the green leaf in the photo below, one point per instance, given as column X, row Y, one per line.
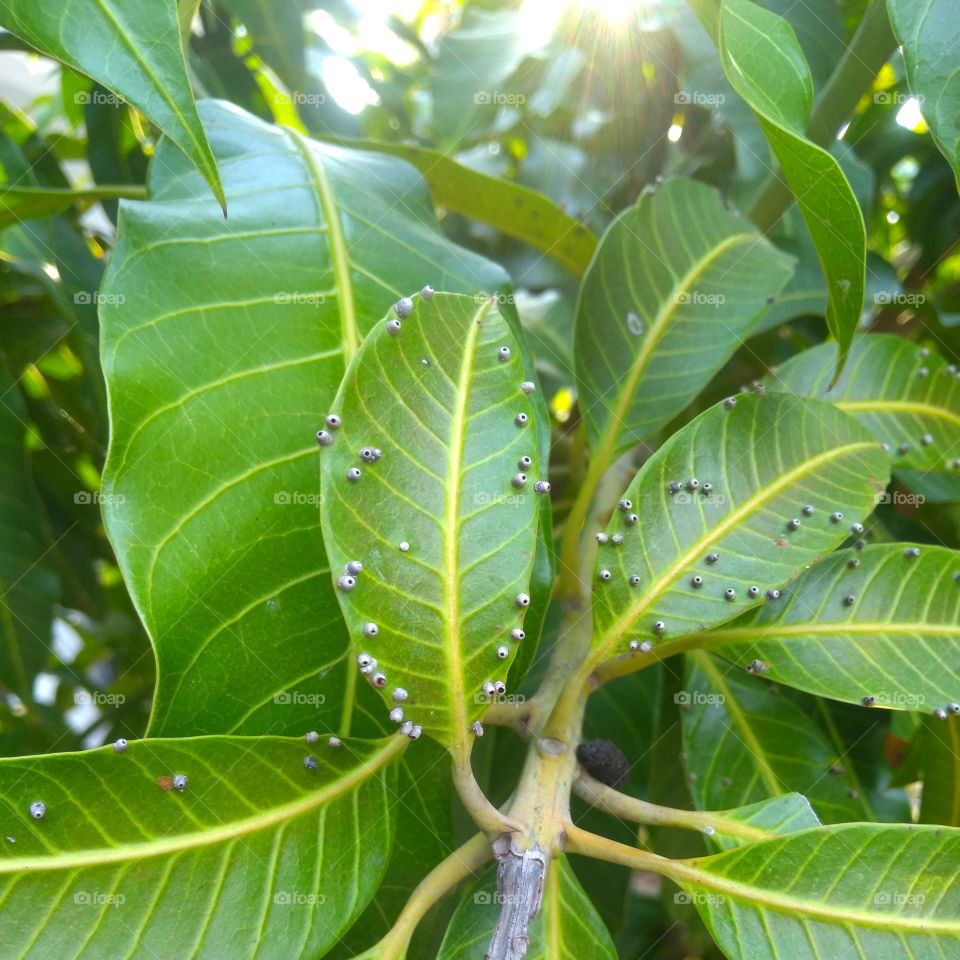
column 223, row 347
column 510, row 207
column 928, row 34
column 567, row 927
column 25, row 203
column 743, row 742
column 766, row 66
column 901, row 393
column 664, row 306
column 862, row 890
column 765, row 459
column 134, row 49
column 888, row 628
column 258, row 856
column 29, row 585
column 440, row 403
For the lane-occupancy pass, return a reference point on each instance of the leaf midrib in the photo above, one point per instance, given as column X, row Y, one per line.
column 732, row 520
column 905, row 406
column 838, row 627
column 783, row 903
column 451, row 527
column 339, row 254
column 211, row 837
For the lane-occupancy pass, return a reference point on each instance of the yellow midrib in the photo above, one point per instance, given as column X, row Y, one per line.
column 803, row 630
column 733, row 519
column 897, row 406
column 339, row 255
column 451, row 528
column 215, row 835
column 756, row 897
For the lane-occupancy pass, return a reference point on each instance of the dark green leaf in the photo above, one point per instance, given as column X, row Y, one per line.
column 744, row 742
column 767, row 68
column 440, row 402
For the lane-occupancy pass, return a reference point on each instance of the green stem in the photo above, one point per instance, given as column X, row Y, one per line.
column 869, row 50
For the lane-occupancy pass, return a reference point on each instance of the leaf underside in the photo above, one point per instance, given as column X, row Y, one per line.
column 862, row 890
column 439, row 402
column 887, row 628
column 258, row 856
column 906, row 396
column 765, row 460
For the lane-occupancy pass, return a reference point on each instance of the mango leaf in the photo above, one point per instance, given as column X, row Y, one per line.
column 223, row 347
column 886, row 628
column 765, row 459
column 766, row 66
column 276, row 34
column 906, row 396
column 567, row 927
column 258, row 855
column 29, row 585
column 743, row 742
column 864, row 890
column 133, row 49
column 439, row 398
column 928, row 34
column 653, row 292
column 508, row 206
